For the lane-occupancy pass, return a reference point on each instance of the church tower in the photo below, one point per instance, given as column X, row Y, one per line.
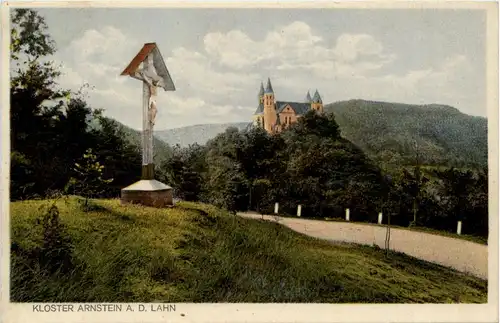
column 317, row 103
column 261, row 93
column 308, row 98
column 269, row 107
column 258, row 116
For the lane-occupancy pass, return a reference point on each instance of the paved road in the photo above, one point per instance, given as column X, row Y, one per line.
column 459, row 254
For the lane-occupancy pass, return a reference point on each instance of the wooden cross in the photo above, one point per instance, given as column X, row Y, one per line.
column 153, row 74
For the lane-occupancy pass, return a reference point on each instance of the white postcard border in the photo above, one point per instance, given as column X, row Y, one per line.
column 187, row 312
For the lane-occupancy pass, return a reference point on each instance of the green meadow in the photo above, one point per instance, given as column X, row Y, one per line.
column 195, row 252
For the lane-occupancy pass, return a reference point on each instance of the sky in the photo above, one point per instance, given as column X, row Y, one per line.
column 218, row 57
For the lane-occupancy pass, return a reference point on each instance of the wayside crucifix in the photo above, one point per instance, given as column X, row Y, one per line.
column 148, row 66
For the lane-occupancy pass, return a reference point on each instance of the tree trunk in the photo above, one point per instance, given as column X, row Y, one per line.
column 250, row 198
column 388, row 235
column 415, row 211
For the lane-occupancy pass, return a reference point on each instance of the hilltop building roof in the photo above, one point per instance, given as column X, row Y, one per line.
column 261, row 92
column 316, row 98
column 308, row 98
column 269, row 87
column 298, row 107
column 260, row 109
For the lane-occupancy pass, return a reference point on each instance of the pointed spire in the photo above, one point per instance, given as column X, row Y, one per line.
column 261, row 91
column 308, row 97
column 316, row 98
column 269, row 87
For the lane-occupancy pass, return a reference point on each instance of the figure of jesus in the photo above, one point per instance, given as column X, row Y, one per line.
column 149, row 75
column 152, row 104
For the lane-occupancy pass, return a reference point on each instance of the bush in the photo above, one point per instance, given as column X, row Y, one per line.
column 55, row 253
column 88, row 181
column 47, row 254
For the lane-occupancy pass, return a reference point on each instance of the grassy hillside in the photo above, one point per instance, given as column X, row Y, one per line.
column 197, row 253
column 388, row 131
column 196, row 134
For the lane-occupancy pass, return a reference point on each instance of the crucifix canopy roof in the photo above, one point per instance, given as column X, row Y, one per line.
column 159, row 64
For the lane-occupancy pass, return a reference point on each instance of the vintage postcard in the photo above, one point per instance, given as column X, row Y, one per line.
column 249, row 162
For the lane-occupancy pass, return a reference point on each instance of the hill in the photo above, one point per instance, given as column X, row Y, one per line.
column 196, row 134
column 387, row 132
column 162, row 150
column 198, row 253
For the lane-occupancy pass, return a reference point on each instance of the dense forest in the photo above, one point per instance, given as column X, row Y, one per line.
column 393, row 134
column 51, row 127
column 311, row 164
column 54, row 131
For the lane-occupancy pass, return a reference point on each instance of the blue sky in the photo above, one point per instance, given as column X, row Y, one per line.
column 217, row 57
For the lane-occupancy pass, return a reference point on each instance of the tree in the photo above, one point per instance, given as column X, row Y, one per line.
column 225, row 183
column 320, row 125
column 33, row 79
column 457, row 191
column 29, row 35
column 261, row 197
column 122, row 158
column 88, row 181
column 184, row 171
column 257, row 154
column 33, row 85
column 478, row 221
column 50, row 126
column 325, row 171
column 412, row 183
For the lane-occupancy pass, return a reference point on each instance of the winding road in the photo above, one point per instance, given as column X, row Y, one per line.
column 462, row 255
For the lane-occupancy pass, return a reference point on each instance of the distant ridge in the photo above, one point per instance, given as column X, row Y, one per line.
column 396, row 132
column 387, row 132
column 200, row 133
column 162, row 150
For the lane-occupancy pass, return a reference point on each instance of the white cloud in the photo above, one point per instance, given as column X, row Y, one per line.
column 98, row 57
column 295, row 47
column 108, row 42
column 234, row 49
column 198, row 73
column 237, row 50
column 217, row 81
column 349, row 47
column 70, row 78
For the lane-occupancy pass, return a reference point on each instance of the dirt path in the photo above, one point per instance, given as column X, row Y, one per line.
column 459, row 254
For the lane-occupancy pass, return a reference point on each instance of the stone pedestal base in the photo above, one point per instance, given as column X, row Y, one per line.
column 148, row 193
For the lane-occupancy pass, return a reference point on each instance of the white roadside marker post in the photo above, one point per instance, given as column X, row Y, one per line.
column 380, row 218
column 347, row 214
column 299, row 210
column 276, row 206
column 459, row 227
